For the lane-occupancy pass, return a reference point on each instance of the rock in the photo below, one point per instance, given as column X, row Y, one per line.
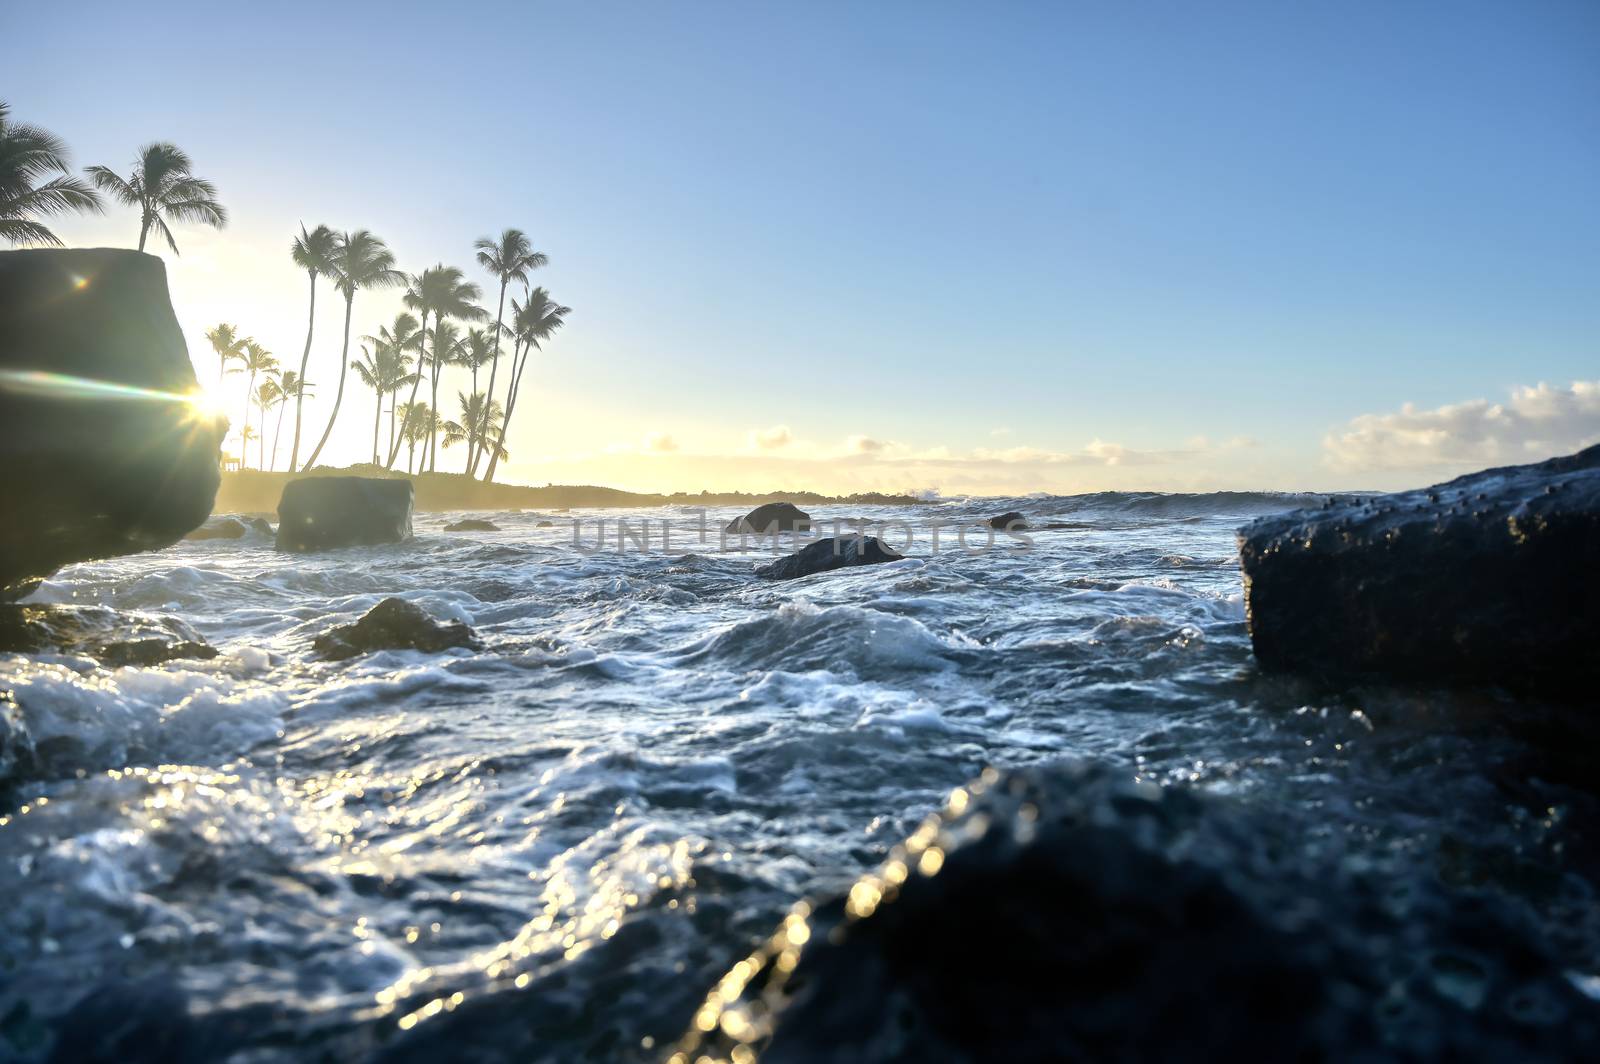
column 769, row 517
column 826, row 555
column 262, row 525
column 1492, row 577
column 394, row 624
column 147, row 652
column 111, row 636
column 1011, row 520
column 219, row 528
column 103, row 450
column 1068, row 913
column 318, row 513
column 545, row 524
column 472, row 524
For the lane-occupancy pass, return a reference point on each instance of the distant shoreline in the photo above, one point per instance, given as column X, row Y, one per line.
column 253, row 491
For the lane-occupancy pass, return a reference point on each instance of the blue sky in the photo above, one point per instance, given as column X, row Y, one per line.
column 969, row 247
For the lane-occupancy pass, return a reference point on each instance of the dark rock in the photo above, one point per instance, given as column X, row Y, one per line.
column 771, row 517
column 472, row 524
column 112, row 637
column 219, row 528
column 545, row 524
column 262, row 525
column 1492, row 577
column 394, row 624
column 826, row 555
column 103, row 452
column 147, row 652
column 319, row 513
column 1066, row 913
column 1011, row 520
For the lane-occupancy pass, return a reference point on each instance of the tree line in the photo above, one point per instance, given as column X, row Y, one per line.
column 37, row 181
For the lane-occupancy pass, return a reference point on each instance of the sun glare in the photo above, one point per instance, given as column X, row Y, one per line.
column 203, row 405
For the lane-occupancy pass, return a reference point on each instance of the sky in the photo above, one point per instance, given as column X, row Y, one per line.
column 966, row 248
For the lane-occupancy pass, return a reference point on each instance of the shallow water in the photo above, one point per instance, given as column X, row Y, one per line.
column 549, row 849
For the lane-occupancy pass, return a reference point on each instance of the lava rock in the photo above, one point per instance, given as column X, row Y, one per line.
column 147, row 652
column 771, row 517
column 1009, row 521
column 1491, row 577
column 394, row 624
column 319, row 513
column 825, row 555
column 103, row 452
column 472, row 524
column 113, row 637
column 220, row 528
column 1068, row 913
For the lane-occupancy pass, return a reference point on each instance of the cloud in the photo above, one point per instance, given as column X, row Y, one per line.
column 772, row 439
column 866, row 445
column 660, row 443
column 1534, row 423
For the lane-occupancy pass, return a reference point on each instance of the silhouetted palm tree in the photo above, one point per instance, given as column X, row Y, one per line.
column 383, row 369
column 310, row 252
column 269, row 394
column 474, row 352
column 440, row 291
column 404, row 336
column 509, row 259
column 28, row 153
column 162, row 187
column 228, row 345
column 477, row 415
column 446, row 350
column 419, row 423
column 256, row 359
column 358, row 260
column 293, row 387
column 535, row 320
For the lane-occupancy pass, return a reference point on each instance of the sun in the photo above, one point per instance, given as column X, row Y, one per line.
column 203, row 406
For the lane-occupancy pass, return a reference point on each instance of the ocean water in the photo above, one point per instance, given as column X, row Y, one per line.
column 549, row 849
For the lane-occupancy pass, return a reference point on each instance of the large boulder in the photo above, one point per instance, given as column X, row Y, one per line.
column 770, row 517
column 319, row 513
column 826, row 555
column 104, row 449
column 1490, row 577
column 393, row 624
column 1068, row 913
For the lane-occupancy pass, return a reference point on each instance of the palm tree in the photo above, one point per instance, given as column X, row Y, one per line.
column 256, row 359
column 446, row 351
column 228, row 345
column 383, row 369
column 403, row 336
column 441, row 291
column 269, row 394
column 419, row 423
column 509, row 259
column 535, row 320
column 162, row 187
column 478, row 413
column 358, row 260
column 474, row 351
column 291, row 384
column 310, row 252
column 28, row 153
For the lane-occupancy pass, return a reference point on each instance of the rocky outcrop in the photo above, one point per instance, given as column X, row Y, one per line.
column 1067, row 913
column 103, row 450
column 393, row 624
column 110, row 636
column 320, row 513
column 771, row 517
column 826, row 555
column 1491, row 577
column 219, row 528
column 1011, row 520
column 472, row 524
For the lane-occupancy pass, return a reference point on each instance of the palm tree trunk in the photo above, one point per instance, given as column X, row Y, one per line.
column 305, row 356
column 422, row 353
column 494, row 364
column 249, row 388
column 144, row 230
column 377, row 420
column 433, row 426
column 276, row 432
column 261, row 440
column 513, row 387
column 338, row 395
column 391, row 418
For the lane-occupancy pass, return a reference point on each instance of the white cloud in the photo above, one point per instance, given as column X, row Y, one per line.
column 660, row 443
column 772, row 439
column 1535, row 423
column 866, row 445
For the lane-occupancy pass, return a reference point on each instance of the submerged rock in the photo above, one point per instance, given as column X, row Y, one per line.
column 1067, row 913
column 219, row 528
column 110, row 636
column 319, row 513
column 545, row 524
column 147, row 652
column 1491, row 577
column 770, row 517
column 103, row 450
column 472, row 524
column 394, row 624
column 1009, row 521
column 826, row 555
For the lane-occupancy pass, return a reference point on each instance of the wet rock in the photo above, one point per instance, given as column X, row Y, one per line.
column 147, row 652
column 219, row 528
column 1009, row 521
column 102, row 453
column 472, row 524
column 1067, row 913
column 1491, row 577
column 825, row 555
column 112, row 637
column 394, row 624
column 320, row 513
column 769, row 517
column 262, row 525
column 545, row 524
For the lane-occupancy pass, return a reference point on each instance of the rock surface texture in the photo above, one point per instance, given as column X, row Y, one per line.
column 782, row 516
column 826, row 555
column 103, row 450
column 393, row 624
column 1067, row 913
column 1491, row 577
column 320, row 513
